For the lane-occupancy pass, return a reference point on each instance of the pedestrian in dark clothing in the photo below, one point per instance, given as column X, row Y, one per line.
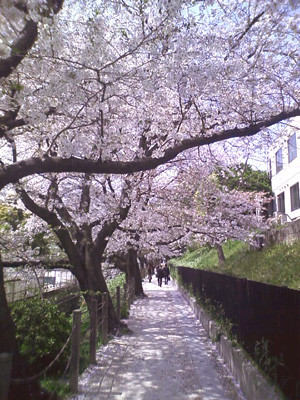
column 152, row 267
column 166, row 274
column 150, row 272
column 160, row 275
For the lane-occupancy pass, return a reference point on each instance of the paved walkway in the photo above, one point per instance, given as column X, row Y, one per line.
column 167, row 357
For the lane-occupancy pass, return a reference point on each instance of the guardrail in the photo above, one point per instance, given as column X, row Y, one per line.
column 17, row 289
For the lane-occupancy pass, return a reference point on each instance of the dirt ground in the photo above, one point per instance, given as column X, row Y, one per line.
column 167, row 357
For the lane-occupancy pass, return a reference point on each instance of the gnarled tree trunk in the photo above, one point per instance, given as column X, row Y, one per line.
column 92, row 284
column 134, row 271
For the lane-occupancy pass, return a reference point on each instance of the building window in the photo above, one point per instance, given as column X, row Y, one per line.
column 279, row 163
column 295, row 199
column 292, row 147
column 280, row 203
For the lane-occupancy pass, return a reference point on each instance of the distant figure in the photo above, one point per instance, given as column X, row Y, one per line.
column 160, row 275
column 153, row 269
column 150, row 272
column 166, row 271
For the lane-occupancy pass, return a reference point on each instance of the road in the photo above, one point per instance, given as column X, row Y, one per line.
column 167, row 357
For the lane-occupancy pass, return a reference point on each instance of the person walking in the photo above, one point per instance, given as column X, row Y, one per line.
column 160, row 275
column 150, row 272
column 166, row 271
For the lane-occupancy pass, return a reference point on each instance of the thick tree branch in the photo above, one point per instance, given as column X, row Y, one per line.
column 19, row 49
column 109, row 226
column 13, row 173
column 62, row 211
column 25, row 41
column 133, row 231
column 249, row 26
column 168, row 242
column 108, row 229
column 58, row 227
column 9, row 120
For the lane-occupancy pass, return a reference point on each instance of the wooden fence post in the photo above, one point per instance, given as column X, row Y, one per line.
column 93, row 331
column 118, row 303
column 125, row 292
column 104, row 317
column 5, row 371
column 132, row 289
column 75, row 351
column 125, row 288
column 129, row 294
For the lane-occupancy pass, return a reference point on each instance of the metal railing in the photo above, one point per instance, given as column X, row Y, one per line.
column 17, row 289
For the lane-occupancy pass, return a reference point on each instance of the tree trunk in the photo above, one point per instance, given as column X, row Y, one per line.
column 134, row 271
column 92, row 286
column 143, row 261
column 85, row 254
column 7, row 331
column 221, row 255
column 120, row 262
column 8, row 344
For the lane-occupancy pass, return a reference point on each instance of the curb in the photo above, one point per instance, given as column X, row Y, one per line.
column 250, row 380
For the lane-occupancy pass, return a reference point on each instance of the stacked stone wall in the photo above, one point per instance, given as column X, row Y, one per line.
column 288, row 233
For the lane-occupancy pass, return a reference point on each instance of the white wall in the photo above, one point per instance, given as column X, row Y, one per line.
column 290, row 174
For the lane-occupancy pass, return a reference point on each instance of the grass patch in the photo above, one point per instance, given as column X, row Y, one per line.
column 119, row 280
column 56, row 385
column 278, row 264
column 206, row 257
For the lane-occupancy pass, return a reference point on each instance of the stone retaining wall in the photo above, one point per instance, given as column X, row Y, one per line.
column 250, row 380
column 288, row 233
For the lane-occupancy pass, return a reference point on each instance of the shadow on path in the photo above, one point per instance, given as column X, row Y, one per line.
column 167, row 356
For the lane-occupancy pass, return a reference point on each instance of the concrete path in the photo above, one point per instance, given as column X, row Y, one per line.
column 168, row 356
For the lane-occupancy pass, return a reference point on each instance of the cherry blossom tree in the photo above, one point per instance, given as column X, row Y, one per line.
column 191, row 206
column 118, row 87
column 162, row 76
column 83, row 212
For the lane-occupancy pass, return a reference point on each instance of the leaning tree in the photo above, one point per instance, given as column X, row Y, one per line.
column 83, row 212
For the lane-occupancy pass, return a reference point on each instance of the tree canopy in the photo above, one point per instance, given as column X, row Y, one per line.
column 120, row 87
column 244, row 177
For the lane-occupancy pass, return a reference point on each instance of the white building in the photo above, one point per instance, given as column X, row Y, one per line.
column 284, row 167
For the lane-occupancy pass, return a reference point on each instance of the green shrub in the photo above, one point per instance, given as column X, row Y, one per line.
column 41, row 332
column 118, row 280
column 55, row 385
column 269, row 364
